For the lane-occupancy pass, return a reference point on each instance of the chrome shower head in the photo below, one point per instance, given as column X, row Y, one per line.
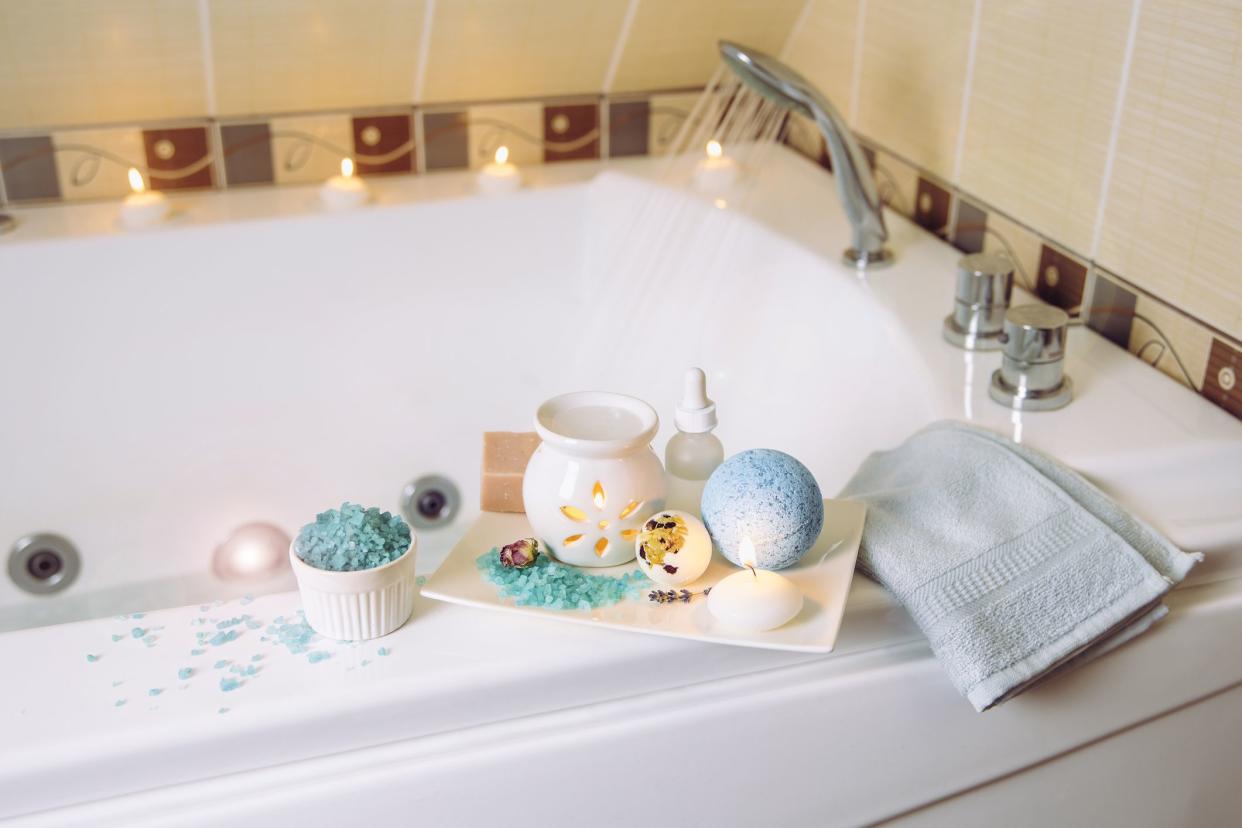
column 769, row 77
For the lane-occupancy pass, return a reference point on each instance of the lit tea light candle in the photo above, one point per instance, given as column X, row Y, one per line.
column 717, row 171
column 499, row 176
column 344, row 191
column 142, row 207
column 754, row 599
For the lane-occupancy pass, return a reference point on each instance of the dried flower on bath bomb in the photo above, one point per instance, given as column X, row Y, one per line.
column 519, row 554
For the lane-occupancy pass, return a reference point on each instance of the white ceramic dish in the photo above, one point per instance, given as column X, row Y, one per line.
column 823, row 576
column 356, row 606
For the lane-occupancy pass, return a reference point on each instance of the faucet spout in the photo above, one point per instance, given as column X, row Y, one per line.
column 855, row 185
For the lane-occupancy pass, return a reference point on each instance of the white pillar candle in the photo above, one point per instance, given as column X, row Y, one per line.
column 344, row 191
column 142, row 207
column 499, row 176
column 716, row 173
column 754, row 600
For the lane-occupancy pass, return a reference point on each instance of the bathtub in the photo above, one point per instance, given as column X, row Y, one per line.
column 256, row 360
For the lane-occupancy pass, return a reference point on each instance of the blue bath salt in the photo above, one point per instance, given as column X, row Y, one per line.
column 257, row 657
column 768, row 497
column 224, row 662
column 149, row 639
column 116, row 638
column 231, row 622
column 155, row 691
column 117, row 683
column 119, row 703
column 137, row 632
column 197, row 652
column 203, row 607
column 246, row 599
column 420, row 580
column 92, row 658
column 185, row 673
column 248, row 670
column 253, row 624
column 223, row 638
column 316, row 656
column 365, row 662
column 383, row 651
column 223, row 710
column 228, row 685
column 297, row 637
column 352, row 538
column 555, row 586
column 138, row 615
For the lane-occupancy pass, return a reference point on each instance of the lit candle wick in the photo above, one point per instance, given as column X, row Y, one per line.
column 347, row 167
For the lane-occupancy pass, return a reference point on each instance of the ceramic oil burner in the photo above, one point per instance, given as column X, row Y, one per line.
column 594, row 479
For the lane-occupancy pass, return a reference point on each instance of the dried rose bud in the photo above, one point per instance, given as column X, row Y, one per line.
column 519, row 554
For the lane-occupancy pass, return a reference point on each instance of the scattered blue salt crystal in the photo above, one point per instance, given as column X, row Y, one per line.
column 317, row 656
column 252, row 624
column 116, row 638
column 119, row 703
column 223, row 637
column 246, row 599
column 365, row 662
column 149, row 639
column 117, row 683
column 298, row 637
column 224, row 662
column 231, row 622
column 352, row 538
column 555, row 586
column 228, row 685
column 383, row 651
column 203, row 607
column 137, row 632
column 420, row 580
column 138, row 615
column 257, row 657
column 92, row 658
column 155, row 691
column 223, row 710
column 185, row 673
column 197, row 652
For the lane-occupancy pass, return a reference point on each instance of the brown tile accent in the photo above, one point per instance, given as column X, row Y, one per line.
column 183, row 153
column 931, row 207
column 629, row 123
column 1111, row 310
column 29, row 166
column 247, row 150
column 380, row 136
column 971, row 227
column 1060, row 278
column 1222, row 383
column 570, row 123
column 445, row 142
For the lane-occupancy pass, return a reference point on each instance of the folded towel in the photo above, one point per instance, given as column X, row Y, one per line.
column 1010, row 563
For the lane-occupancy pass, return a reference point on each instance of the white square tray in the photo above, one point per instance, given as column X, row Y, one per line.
column 823, row 576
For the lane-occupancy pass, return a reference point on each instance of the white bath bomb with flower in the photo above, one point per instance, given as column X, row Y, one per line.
column 673, row 548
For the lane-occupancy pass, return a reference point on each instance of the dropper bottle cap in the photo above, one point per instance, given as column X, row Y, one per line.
column 696, row 414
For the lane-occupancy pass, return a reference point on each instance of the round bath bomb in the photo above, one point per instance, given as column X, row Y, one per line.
column 673, row 548
column 769, row 497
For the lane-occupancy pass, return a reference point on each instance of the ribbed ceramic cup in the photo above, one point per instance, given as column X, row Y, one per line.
column 355, row 606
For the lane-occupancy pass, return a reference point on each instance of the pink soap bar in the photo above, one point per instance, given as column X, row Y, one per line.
column 505, row 455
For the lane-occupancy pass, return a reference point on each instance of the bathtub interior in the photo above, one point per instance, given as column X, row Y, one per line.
column 167, row 387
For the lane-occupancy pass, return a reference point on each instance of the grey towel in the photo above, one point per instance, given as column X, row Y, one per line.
column 1010, row 563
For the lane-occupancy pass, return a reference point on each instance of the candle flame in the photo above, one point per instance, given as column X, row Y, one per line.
column 502, row 154
column 714, row 150
column 746, row 552
column 347, row 168
column 135, row 180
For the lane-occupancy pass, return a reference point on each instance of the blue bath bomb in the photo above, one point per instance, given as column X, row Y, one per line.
column 769, row 497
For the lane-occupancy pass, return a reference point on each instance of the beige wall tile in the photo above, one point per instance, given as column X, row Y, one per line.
column 297, row 55
column 309, row 148
column 673, row 44
column 668, row 114
column 98, row 61
column 1173, row 218
column 822, row 48
column 913, row 72
column 1192, row 341
column 493, row 49
column 518, row 126
column 87, row 174
column 1046, row 78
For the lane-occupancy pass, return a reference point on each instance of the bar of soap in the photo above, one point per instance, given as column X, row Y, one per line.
column 505, row 455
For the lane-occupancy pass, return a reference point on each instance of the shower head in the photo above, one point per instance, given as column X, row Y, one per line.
column 781, row 85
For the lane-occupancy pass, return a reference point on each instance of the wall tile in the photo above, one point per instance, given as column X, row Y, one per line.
column 518, row 126
column 970, row 226
column 85, row 172
column 1111, row 310
column 493, row 49
column 1222, row 382
column 445, row 142
column 570, row 132
column 29, row 165
column 66, row 62
column 383, row 144
column 673, row 45
column 177, row 159
column 1174, row 211
column 1061, row 278
column 1191, row 339
column 309, row 148
column 896, row 181
column 932, row 207
column 822, row 49
column 668, row 114
column 247, row 151
column 629, row 128
column 913, row 73
column 1024, row 247
column 1046, row 78
column 293, row 55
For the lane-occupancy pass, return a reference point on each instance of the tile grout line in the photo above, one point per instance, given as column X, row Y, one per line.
column 209, row 60
column 424, row 52
column 856, row 74
column 1110, row 157
column 797, row 28
column 618, row 49
column 968, row 83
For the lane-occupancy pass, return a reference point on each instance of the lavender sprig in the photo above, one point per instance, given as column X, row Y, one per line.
column 673, row 596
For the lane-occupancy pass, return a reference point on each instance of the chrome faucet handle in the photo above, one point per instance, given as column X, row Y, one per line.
column 1032, row 375
column 984, row 288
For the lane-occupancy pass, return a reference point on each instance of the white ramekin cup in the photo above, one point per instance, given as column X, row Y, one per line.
column 355, row 606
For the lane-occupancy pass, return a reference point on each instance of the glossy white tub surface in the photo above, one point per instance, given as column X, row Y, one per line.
column 236, row 366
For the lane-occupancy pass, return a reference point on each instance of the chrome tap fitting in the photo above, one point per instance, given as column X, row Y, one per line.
column 1031, row 376
column 984, row 287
